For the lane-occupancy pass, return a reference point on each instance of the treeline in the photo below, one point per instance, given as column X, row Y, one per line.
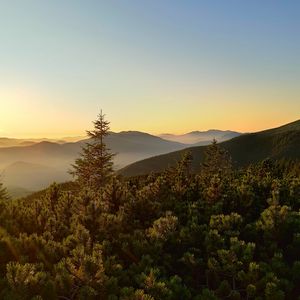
column 218, row 234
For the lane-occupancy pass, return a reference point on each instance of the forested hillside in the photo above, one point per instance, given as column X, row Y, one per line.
column 220, row 233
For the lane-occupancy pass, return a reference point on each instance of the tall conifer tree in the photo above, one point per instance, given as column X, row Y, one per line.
column 94, row 167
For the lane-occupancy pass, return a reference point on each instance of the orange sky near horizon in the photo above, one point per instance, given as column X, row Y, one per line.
column 31, row 118
column 28, row 112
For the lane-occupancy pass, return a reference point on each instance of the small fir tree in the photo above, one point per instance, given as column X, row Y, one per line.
column 94, row 168
column 217, row 160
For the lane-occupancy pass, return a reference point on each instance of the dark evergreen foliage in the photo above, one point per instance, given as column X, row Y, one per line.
column 94, row 167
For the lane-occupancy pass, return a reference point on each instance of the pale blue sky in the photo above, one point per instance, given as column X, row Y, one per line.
column 156, row 66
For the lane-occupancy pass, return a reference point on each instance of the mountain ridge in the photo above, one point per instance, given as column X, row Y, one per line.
column 201, row 137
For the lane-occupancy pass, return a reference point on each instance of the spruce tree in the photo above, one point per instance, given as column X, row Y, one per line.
column 216, row 160
column 94, row 168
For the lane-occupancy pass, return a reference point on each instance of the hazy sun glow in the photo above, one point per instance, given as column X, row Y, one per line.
column 154, row 66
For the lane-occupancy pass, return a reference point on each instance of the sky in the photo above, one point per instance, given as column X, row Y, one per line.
column 156, row 66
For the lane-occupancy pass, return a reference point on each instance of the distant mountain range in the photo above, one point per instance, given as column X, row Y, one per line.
column 194, row 137
column 201, row 137
column 11, row 142
column 277, row 143
column 37, row 165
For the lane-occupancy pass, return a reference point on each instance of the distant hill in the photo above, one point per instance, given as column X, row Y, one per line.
column 18, row 192
column 8, row 142
column 36, row 166
column 11, row 142
column 202, row 137
column 139, row 142
column 277, row 143
column 22, row 176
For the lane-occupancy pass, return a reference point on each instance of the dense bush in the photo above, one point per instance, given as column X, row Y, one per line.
column 219, row 234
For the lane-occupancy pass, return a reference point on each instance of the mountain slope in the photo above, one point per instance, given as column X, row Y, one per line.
column 277, row 143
